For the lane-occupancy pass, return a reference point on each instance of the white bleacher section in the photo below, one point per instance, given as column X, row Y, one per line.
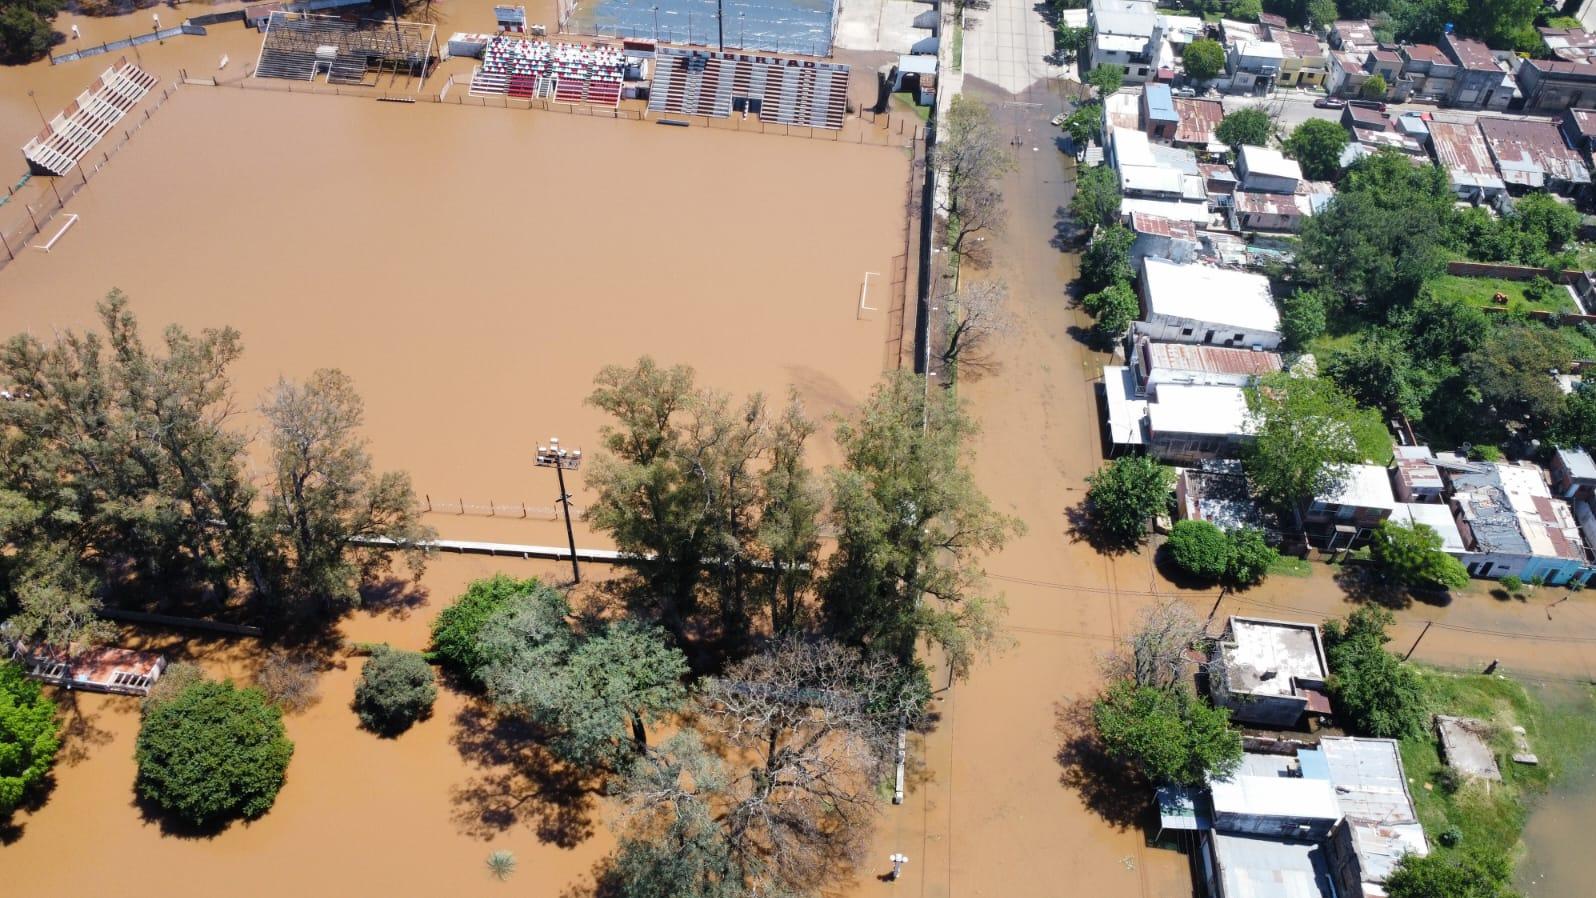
column 75, row 130
column 787, row 91
column 570, row 73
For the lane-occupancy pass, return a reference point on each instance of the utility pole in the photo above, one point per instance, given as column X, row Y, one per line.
column 1417, row 641
column 552, row 456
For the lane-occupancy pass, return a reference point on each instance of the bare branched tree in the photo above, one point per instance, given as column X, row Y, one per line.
column 976, row 314
column 970, row 157
column 1160, row 652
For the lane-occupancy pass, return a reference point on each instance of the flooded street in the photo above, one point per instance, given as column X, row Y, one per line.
column 1558, row 861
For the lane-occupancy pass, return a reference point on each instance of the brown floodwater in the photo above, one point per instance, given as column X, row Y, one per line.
column 1557, row 859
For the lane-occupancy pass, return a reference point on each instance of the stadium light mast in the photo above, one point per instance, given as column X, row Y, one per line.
column 720, row 23
column 561, row 460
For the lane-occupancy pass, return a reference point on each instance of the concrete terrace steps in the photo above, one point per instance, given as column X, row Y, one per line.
column 75, row 131
column 790, row 92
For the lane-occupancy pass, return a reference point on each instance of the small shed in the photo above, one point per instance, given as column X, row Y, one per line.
column 917, row 74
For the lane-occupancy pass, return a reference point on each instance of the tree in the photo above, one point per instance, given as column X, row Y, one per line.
column 911, row 528
column 1303, row 441
column 56, row 601
column 1107, row 78
column 1377, row 371
column 457, row 630
column 1375, row 88
column 1107, row 261
column 970, row 156
column 1071, row 41
column 1204, row 59
column 1200, row 549
column 789, row 518
column 818, row 722
column 1096, row 199
column 1170, row 735
column 341, row 521
column 1510, row 374
column 674, row 837
column 1576, row 420
column 1245, row 127
column 1474, row 873
column 30, row 736
column 1303, row 315
column 591, row 689
column 1115, row 307
column 1250, row 556
column 976, row 313
column 674, row 485
column 1085, row 125
column 126, row 452
column 1246, row 10
column 1322, row 13
column 25, row 32
column 1411, row 554
column 1316, row 144
column 1158, row 653
column 1386, row 233
column 212, row 752
column 1375, row 692
column 396, row 689
column 1124, row 494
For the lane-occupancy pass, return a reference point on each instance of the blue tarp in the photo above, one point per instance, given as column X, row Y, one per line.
column 782, row 26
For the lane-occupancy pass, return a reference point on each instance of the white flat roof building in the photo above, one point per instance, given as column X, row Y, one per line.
column 1438, row 517
column 1219, row 411
column 1366, row 486
column 1269, row 162
column 1206, row 304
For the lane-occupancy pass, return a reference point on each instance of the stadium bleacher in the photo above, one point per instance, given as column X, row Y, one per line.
column 75, row 130
column 787, row 91
column 300, row 46
column 570, row 73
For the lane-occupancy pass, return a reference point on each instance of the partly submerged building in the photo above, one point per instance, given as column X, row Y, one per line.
column 1270, row 672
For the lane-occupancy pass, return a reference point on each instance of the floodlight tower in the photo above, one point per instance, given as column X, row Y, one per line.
column 562, row 460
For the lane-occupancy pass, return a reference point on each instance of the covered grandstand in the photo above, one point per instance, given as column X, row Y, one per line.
column 786, row 91
column 69, row 136
column 567, row 73
column 301, row 46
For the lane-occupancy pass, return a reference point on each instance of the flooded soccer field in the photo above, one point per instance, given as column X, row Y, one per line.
column 471, row 269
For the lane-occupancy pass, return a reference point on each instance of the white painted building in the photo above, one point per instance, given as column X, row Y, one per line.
column 1122, row 35
column 1208, row 305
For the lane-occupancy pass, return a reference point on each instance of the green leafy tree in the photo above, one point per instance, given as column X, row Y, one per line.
column 1411, row 553
column 789, row 519
column 1204, row 59
column 1107, row 78
column 1377, row 371
column 1200, row 549
column 396, row 689
column 1474, row 873
column 457, row 630
column 1376, row 693
column 1107, row 261
column 1097, row 197
column 911, row 527
column 1576, row 420
column 1316, row 144
column 340, row 520
column 1246, row 10
column 1072, row 40
column 1388, row 230
column 1170, row 735
column 1245, row 127
column 1509, row 375
column 30, row 736
column 1375, row 88
column 1125, row 494
column 1304, row 314
column 591, row 689
column 1114, row 307
column 1304, row 440
column 25, row 32
column 1322, row 13
column 1250, row 556
column 212, row 752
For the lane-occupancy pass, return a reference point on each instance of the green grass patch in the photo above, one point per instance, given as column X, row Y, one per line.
column 1291, row 566
column 1560, row 727
column 1481, row 292
column 958, row 44
column 905, row 99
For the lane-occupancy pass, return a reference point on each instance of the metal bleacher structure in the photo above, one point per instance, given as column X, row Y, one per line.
column 300, row 46
column 76, row 129
column 567, row 73
column 711, row 83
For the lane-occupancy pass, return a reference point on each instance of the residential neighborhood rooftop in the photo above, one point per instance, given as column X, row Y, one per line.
column 1264, row 657
column 1462, row 151
column 1429, row 53
column 1570, row 44
column 1471, row 54
column 1209, row 359
column 1206, row 409
column 1209, row 293
column 1269, row 161
column 1529, row 153
column 1365, row 486
column 1258, row 867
